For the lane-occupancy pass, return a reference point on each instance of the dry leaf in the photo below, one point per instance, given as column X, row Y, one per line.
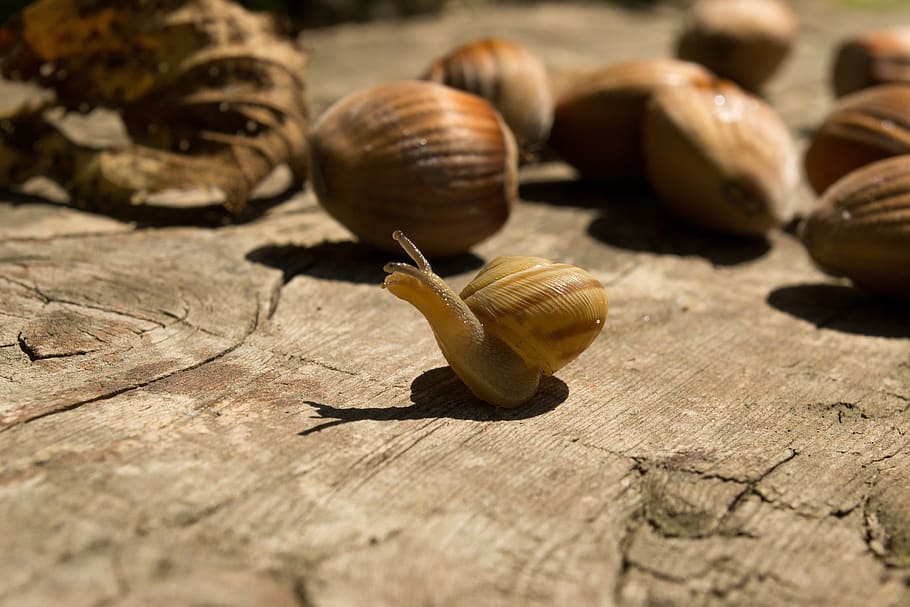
column 212, row 97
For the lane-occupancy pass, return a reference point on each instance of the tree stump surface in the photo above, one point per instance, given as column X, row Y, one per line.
column 239, row 415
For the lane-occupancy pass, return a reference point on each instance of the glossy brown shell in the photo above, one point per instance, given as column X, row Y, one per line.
column 547, row 312
column 743, row 40
column 861, row 227
column 869, row 125
column 507, row 75
column 721, row 158
column 597, row 122
column 420, row 157
column 880, row 57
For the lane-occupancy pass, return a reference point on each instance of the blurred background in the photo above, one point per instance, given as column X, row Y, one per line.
column 316, row 13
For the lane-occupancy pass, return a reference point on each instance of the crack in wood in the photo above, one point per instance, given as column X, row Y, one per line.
column 125, row 389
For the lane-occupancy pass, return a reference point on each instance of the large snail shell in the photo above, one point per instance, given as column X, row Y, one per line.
column 507, row 75
column 419, row 156
column 546, row 312
column 881, row 57
column 597, row 122
column 862, row 227
column 721, row 158
column 743, row 40
column 863, row 127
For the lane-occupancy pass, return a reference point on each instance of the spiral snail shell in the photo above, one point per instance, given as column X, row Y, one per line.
column 507, row 75
column 421, row 156
column 520, row 318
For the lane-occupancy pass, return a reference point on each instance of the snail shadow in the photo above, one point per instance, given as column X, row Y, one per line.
column 631, row 218
column 437, row 394
column 346, row 261
column 844, row 308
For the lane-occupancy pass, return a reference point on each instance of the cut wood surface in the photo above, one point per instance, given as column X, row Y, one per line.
column 239, row 415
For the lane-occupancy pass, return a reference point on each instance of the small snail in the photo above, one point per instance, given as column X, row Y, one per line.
column 597, row 122
column 520, row 318
column 743, row 40
column 861, row 227
column 430, row 159
column 507, row 75
column 862, row 127
column 721, row 158
column 880, row 57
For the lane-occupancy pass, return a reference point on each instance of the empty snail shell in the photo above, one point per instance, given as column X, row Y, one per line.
column 743, row 40
column 520, row 318
column 417, row 155
column 597, row 122
column 880, row 57
column 507, row 75
column 861, row 227
column 865, row 126
column 721, row 158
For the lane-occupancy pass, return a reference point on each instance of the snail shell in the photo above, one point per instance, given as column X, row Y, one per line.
column 861, row 227
column 520, row 318
column 743, row 40
column 863, row 127
column 881, row 57
column 417, row 155
column 597, row 122
column 721, row 158
column 507, row 75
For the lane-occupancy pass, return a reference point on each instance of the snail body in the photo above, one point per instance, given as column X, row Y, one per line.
column 507, row 75
column 421, row 156
column 519, row 319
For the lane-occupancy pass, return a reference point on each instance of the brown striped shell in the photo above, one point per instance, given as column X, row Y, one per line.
column 435, row 162
column 868, row 125
column 507, row 75
column 597, row 122
column 546, row 312
column 742, row 40
column 720, row 158
column 880, row 57
column 861, row 228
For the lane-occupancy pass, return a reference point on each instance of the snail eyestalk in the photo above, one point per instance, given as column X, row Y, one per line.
column 490, row 369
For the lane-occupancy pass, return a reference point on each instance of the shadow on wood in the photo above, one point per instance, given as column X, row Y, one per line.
column 346, row 261
column 631, row 219
column 438, row 393
column 844, row 308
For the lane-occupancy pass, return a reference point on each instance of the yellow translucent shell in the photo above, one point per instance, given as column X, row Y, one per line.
column 547, row 312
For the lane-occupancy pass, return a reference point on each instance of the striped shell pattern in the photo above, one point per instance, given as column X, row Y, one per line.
column 547, row 312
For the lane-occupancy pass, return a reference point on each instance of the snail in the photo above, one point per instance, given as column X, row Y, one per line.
column 880, row 57
column 597, row 122
column 743, row 40
column 520, row 318
column 507, row 75
column 437, row 162
column 861, row 227
column 721, row 158
column 862, row 127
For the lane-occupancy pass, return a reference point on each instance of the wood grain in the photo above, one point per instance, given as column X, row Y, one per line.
column 238, row 415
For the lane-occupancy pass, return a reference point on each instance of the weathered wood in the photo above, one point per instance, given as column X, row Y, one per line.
column 240, row 416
